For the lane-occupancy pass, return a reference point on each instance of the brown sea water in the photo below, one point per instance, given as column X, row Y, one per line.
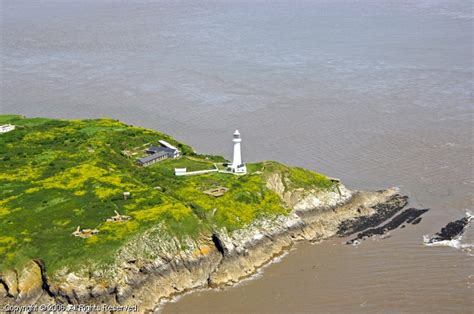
column 377, row 93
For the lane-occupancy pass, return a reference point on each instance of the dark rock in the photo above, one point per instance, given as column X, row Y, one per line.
column 383, row 211
column 407, row 216
column 218, row 244
column 452, row 230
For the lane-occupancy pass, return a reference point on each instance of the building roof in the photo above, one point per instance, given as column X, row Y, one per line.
column 166, row 144
column 151, row 157
column 157, row 149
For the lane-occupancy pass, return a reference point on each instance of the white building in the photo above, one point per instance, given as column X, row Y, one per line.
column 180, row 171
column 166, row 144
column 237, row 165
column 6, row 128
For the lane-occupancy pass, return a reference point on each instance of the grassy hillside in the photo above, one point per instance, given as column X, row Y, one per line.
column 56, row 175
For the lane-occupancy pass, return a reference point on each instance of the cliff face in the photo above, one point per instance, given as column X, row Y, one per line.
column 178, row 238
column 153, row 266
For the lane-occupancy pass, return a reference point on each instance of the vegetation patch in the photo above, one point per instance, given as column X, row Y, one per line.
column 56, row 175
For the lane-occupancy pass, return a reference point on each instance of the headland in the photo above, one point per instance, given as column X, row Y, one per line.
column 83, row 223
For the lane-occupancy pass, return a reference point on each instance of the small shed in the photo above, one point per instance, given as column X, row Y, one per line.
column 180, row 171
column 126, row 195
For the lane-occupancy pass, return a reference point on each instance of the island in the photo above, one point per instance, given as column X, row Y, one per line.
column 96, row 212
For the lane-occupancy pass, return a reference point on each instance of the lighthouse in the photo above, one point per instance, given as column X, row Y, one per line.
column 237, row 165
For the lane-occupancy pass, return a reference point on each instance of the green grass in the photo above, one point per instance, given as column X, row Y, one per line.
column 190, row 163
column 56, row 175
column 9, row 118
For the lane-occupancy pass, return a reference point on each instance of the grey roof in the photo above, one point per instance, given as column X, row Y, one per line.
column 153, row 157
column 156, row 149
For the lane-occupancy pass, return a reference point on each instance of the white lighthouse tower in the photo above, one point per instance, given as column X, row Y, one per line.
column 237, row 165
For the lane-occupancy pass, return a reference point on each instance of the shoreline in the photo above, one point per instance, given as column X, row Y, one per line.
column 226, row 259
column 258, row 274
column 236, row 268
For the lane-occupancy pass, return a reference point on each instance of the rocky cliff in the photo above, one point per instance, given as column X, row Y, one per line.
column 154, row 266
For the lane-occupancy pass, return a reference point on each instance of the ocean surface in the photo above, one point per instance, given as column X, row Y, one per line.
column 376, row 93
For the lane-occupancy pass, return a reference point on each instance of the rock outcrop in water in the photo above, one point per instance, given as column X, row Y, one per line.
column 179, row 238
column 383, row 211
column 151, row 267
column 452, row 231
column 411, row 215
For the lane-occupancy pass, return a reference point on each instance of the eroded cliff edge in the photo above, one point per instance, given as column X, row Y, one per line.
column 154, row 266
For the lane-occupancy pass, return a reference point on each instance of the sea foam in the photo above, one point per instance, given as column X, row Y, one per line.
column 456, row 241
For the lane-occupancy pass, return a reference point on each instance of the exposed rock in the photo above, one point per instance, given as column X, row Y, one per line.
column 411, row 215
column 10, row 279
column 223, row 243
column 382, row 212
column 275, row 183
column 314, row 199
column 3, row 291
column 30, row 282
column 452, row 231
column 246, row 249
column 154, row 266
column 301, row 200
column 289, row 198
